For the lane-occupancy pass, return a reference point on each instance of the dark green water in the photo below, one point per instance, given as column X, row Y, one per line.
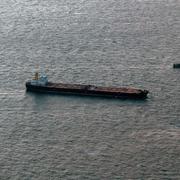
column 120, row 43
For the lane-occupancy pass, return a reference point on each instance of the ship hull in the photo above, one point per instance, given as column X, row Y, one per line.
column 87, row 90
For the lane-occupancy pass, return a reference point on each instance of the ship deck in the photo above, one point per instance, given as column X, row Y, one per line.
column 94, row 88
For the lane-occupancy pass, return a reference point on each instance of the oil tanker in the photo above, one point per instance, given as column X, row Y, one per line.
column 40, row 83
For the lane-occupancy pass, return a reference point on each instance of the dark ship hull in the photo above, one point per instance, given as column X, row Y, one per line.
column 88, row 90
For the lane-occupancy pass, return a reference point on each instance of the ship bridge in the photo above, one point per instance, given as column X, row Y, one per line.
column 39, row 79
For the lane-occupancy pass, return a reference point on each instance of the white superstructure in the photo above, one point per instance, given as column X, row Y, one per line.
column 39, row 79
